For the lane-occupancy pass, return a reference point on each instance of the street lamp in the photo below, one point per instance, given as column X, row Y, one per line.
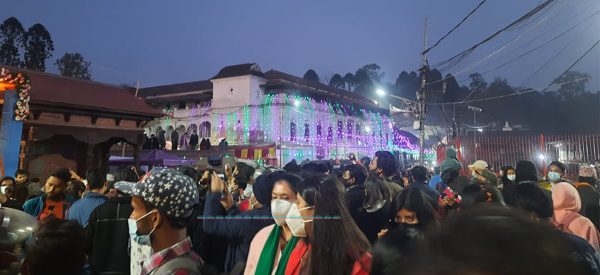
column 380, row 92
column 542, row 157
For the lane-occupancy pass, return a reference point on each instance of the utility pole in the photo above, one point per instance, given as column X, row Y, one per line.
column 421, row 100
column 475, row 110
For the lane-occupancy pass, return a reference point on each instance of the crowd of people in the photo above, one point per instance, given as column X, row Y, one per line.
column 358, row 217
column 177, row 142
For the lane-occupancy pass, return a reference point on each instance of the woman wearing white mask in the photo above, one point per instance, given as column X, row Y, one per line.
column 331, row 243
column 272, row 246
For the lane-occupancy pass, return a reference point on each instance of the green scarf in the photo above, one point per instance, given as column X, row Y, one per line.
column 267, row 256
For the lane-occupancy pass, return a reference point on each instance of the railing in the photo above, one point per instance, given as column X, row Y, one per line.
column 507, row 148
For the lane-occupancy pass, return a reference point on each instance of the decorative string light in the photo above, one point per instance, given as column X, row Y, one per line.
column 356, row 129
column 23, row 86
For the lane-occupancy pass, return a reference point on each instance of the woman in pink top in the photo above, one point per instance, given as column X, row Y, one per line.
column 566, row 214
column 272, row 245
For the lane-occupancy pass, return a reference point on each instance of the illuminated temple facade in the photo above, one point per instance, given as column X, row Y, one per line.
column 295, row 118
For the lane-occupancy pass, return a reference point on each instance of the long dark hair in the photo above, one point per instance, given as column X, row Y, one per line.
column 413, row 199
column 336, row 243
column 377, row 193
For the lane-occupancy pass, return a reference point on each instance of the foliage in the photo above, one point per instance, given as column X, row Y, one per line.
column 349, row 80
column 12, row 38
column 311, row 75
column 337, row 81
column 38, row 47
column 74, row 65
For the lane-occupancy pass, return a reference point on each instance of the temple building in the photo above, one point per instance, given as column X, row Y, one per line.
column 54, row 121
column 274, row 117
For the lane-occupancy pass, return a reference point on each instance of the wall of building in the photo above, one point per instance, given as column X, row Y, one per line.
column 237, row 91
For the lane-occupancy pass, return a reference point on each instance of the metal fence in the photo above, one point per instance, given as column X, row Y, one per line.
column 507, row 148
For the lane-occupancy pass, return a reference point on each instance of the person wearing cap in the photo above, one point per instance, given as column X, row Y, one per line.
column 482, row 175
column 163, row 204
column 590, row 199
column 225, row 219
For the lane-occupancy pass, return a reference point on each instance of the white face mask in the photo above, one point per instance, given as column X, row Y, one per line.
column 295, row 221
column 279, row 210
column 511, row 177
column 248, row 191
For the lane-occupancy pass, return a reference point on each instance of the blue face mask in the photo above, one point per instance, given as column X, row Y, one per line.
column 553, row 177
column 133, row 231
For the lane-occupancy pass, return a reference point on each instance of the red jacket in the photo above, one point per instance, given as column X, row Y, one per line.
column 295, row 264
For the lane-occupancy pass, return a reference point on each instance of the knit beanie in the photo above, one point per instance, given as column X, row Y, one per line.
column 526, row 171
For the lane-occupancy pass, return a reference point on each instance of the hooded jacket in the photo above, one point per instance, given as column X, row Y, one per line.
column 451, row 161
column 566, row 214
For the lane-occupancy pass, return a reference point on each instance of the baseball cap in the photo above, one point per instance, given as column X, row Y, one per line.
column 479, row 165
column 169, row 190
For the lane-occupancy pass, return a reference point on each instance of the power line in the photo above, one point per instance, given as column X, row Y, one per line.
column 527, row 90
column 508, row 44
column 562, row 23
column 572, row 65
column 455, row 27
column 541, row 45
column 457, row 58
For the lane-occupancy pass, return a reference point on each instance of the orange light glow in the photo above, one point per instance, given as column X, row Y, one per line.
column 6, row 86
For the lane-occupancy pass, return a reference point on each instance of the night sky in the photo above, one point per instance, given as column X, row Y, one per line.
column 188, row 40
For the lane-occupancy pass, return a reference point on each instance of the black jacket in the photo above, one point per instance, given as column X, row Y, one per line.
column 238, row 228
column 371, row 222
column 212, row 248
column 107, row 237
column 590, row 203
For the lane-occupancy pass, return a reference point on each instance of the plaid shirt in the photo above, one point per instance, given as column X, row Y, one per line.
column 160, row 258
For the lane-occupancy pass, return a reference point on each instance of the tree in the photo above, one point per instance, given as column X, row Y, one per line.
column 407, row 84
column 374, row 72
column 12, row 38
column 337, row 81
column 363, row 81
column 572, row 83
column 453, row 91
column 477, row 82
column 350, row 83
column 367, row 77
column 311, row 75
column 38, row 47
column 74, row 65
